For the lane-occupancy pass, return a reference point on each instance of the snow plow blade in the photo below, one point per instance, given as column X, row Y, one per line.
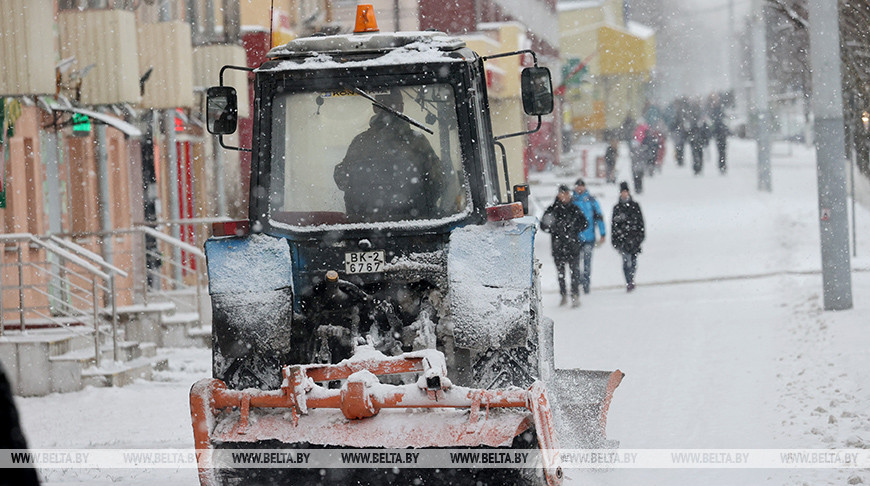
column 580, row 400
column 365, row 413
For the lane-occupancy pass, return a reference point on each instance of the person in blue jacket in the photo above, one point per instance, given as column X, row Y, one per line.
column 592, row 210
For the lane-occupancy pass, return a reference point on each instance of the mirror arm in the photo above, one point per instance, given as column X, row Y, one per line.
column 238, row 68
column 500, row 137
column 230, row 147
column 514, row 53
column 507, row 180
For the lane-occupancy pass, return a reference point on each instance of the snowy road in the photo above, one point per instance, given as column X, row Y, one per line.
column 724, row 344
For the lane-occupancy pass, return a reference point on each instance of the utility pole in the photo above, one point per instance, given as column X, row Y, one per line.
column 172, row 161
column 830, row 153
column 762, row 108
column 732, row 58
column 103, row 181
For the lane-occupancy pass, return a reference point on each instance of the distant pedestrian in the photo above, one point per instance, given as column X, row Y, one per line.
column 719, row 129
column 610, row 160
column 592, row 210
column 628, row 233
column 698, row 139
column 638, row 164
column 678, row 128
column 720, row 134
column 564, row 221
column 650, row 151
column 644, row 150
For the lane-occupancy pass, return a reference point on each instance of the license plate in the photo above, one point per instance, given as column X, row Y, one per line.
column 364, row 261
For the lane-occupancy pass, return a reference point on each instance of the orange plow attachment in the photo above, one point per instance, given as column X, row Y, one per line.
column 371, row 417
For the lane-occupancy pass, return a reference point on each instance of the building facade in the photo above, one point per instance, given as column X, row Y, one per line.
column 608, row 63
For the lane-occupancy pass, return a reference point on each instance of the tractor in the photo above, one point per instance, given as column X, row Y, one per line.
column 383, row 292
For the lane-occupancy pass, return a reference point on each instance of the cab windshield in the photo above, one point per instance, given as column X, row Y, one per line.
column 363, row 156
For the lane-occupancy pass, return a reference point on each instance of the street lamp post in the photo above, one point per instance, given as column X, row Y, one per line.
column 762, row 108
column 830, row 153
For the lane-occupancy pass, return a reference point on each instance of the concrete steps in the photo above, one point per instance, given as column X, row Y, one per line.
column 202, row 334
column 123, row 373
column 26, row 359
column 40, row 362
column 176, row 330
column 46, row 360
column 142, row 322
column 32, row 324
column 160, row 323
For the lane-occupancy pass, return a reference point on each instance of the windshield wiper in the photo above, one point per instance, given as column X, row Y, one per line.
column 394, row 112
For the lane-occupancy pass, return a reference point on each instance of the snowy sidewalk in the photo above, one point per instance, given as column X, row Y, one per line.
column 723, row 343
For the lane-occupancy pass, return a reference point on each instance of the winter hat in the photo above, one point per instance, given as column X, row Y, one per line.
column 623, row 186
column 579, row 182
column 564, row 188
column 393, row 99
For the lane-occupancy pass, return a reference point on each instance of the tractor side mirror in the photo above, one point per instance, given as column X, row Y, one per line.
column 537, row 91
column 222, row 110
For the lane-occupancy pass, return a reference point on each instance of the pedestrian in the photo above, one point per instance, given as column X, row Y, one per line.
column 698, row 139
column 678, row 128
column 638, row 164
column 610, row 160
column 650, row 151
column 719, row 129
column 720, row 133
column 627, row 233
column 643, row 153
column 564, row 221
column 592, row 211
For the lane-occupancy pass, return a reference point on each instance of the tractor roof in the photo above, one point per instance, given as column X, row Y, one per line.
column 366, row 43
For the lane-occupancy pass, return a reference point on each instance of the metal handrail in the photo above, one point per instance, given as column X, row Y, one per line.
column 174, row 278
column 196, row 252
column 91, row 273
column 170, row 240
column 110, row 290
column 78, row 249
column 67, row 279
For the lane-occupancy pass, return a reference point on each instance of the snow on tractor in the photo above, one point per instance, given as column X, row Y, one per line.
column 383, row 293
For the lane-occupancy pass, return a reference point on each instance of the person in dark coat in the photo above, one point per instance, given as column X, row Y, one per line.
column 719, row 130
column 697, row 134
column 627, row 233
column 564, row 221
column 390, row 171
column 12, row 437
column 720, row 134
column 610, row 160
column 678, row 128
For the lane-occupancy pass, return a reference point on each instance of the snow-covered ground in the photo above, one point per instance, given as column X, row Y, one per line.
column 724, row 343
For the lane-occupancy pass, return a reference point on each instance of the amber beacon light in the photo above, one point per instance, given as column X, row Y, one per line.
column 365, row 19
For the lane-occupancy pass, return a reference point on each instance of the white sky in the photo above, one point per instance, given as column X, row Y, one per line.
column 695, row 54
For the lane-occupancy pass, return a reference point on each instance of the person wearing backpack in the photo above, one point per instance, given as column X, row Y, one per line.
column 592, row 211
column 564, row 221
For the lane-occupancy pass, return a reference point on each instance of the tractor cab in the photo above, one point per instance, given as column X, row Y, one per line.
column 369, row 133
